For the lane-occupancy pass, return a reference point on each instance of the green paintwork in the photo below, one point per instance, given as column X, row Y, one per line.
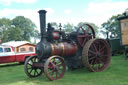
column 115, row 44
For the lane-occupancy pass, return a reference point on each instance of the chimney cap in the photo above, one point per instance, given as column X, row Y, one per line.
column 42, row 11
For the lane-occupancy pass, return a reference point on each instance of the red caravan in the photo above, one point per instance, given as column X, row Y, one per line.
column 8, row 55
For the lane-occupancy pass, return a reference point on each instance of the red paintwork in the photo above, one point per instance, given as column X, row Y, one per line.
column 7, row 59
column 56, row 35
column 70, row 49
column 14, row 57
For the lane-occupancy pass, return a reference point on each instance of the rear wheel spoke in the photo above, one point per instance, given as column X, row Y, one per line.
column 92, row 52
column 92, row 61
column 92, row 58
column 102, row 48
column 95, row 47
column 97, row 65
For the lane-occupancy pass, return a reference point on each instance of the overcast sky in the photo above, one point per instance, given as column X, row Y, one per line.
column 63, row 11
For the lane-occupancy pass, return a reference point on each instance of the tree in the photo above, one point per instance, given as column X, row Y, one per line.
column 54, row 24
column 26, row 25
column 68, row 27
column 5, row 24
column 18, row 29
column 112, row 27
column 14, row 33
column 36, row 35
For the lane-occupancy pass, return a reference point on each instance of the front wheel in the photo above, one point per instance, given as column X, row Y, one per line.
column 30, row 69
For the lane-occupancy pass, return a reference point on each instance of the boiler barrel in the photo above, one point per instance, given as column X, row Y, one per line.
column 64, row 49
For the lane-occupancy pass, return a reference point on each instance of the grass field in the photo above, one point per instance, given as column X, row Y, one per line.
column 116, row 74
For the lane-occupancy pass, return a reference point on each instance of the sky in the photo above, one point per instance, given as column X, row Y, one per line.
column 64, row 11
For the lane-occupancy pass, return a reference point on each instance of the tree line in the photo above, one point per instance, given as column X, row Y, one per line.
column 21, row 28
column 112, row 26
column 70, row 27
column 18, row 29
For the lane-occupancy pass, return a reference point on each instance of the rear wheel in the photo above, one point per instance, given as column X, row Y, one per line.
column 96, row 55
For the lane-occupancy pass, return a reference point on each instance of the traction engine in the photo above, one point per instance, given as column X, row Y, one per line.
column 58, row 50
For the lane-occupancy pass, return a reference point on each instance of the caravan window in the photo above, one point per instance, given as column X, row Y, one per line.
column 22, row 49
column 30, row 49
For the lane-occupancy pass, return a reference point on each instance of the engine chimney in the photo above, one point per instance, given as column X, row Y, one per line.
column 42, row 15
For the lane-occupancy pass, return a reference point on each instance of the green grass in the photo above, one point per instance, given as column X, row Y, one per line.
column 116, row 74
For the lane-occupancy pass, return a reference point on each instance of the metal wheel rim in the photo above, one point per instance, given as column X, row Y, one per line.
column 96, row 61
column 28, row 67
column 49, row 68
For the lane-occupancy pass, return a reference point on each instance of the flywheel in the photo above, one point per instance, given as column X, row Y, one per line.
column 84, row 33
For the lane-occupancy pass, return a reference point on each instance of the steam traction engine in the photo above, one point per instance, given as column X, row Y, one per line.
column 58, row 49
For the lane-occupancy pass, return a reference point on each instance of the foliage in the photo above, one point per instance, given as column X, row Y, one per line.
column 112, row 27
column 26, row 26
column 54, row 24
column 5, row 24
column 14, row 33
column 68, row 27
column 114, row 75
column 19, row 28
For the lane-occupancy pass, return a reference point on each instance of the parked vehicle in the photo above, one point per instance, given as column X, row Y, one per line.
column 116, row 47
column 8, row 55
